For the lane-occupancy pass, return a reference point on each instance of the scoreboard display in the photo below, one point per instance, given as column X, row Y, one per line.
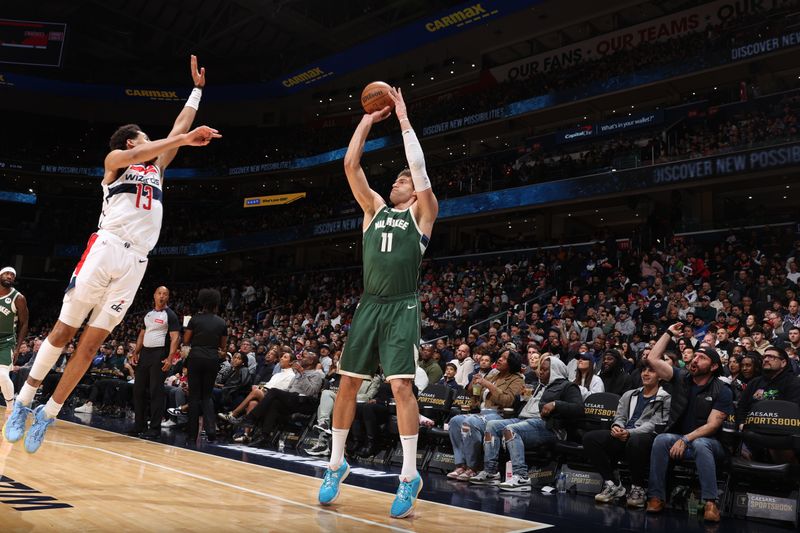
column 27, row 42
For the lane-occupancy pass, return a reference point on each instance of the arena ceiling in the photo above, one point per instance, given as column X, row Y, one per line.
column 115, row 41
column 255, row 40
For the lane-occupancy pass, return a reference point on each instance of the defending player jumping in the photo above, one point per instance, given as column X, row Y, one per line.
column 108, row 274
column 386, row 324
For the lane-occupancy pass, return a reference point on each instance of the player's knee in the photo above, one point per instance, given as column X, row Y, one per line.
column 402, row 388
column 348, row 386
column 73, row 313
column 508, row 435
column 105, row 320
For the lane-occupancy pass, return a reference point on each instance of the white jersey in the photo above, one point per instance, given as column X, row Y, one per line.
column 132, row 209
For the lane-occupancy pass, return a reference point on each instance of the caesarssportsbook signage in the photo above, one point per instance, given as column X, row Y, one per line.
column 660, row 29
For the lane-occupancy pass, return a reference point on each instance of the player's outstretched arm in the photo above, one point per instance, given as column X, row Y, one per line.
column 369, row 200
column 199, row 136
column 427, row 205
column 186, row 116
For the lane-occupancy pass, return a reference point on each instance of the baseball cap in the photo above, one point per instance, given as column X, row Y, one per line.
column 712, row 354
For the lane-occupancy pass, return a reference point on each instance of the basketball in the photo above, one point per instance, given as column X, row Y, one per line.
column 375, row 97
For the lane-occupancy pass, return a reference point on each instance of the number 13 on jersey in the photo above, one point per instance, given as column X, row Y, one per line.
column 144, row 196
column 386, row 242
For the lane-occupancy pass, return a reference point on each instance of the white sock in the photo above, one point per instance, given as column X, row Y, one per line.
column 6, row 385
column 51, row 408
column 338, row 441
column 409, row 470
column 26, row 394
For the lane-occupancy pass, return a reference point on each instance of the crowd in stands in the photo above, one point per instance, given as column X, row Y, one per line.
column 739, row 127
column 538, row 333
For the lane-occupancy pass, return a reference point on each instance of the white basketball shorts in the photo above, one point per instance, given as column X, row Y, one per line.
column 104, row 282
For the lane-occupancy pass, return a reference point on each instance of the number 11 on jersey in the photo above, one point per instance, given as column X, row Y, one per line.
column 386, row 242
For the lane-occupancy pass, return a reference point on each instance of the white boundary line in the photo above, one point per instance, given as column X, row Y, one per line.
column 232, row 486
column 532, row 527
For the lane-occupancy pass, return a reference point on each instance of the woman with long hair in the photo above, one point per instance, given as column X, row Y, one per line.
column 585, row 377
column 493, row 393
column 207, row 334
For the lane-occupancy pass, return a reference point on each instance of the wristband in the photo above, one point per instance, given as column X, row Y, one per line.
column 194, row 99
column 685, row 440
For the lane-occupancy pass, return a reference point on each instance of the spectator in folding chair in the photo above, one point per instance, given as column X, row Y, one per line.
column 493, row 393
column 554, row 397
column 700, row 404
column 429, row 364
column 302, row 396
column 232, row 391
column 639, row 415
column 484, row 367
column 615, row 379
column 449, row 377
column 366, row 392
column 777, row 382
column 585, row 377
column 282, row 380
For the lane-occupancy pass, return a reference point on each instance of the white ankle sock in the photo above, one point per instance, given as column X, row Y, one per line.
column 51, row 408
column 409, row 470
column 338, row 441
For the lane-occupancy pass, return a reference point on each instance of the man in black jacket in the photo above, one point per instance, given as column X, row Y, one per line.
column 700, row 404
column 615, row 379
column 776, row 382
column 554, row 397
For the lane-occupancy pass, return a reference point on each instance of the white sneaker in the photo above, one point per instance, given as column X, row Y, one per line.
column 85, row 408
column 610, row 492
column 485, row 478
column 168, row 423
column 516, row 484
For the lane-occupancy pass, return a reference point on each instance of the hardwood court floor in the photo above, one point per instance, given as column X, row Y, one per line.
column 93, row 480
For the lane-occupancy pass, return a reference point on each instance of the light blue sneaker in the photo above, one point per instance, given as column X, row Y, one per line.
column 35, row 436
column 329, row 490
column 406, row 497
column 15, row 425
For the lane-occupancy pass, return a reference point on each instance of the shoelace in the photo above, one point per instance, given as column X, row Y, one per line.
column 330, row 478
column 19, row 416
column 37, row 430
column 404, row 491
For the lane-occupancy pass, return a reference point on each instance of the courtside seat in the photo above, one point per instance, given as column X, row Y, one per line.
column 771, row 425
column 598, row 413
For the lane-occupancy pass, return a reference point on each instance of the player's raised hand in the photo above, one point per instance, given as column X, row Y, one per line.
column 201, row 136
column 399, row 104
column 199, row 76
column 383, row 114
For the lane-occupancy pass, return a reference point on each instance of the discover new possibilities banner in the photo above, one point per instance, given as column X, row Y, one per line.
column 539, row 194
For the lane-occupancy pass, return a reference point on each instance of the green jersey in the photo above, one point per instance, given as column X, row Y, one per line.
column 8, row 314
column 393, row 249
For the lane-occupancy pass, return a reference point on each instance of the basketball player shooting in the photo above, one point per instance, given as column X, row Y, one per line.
column 108, row 275
column 386, row 324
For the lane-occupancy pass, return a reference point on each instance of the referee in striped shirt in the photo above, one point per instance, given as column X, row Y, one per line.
column 157, row 340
